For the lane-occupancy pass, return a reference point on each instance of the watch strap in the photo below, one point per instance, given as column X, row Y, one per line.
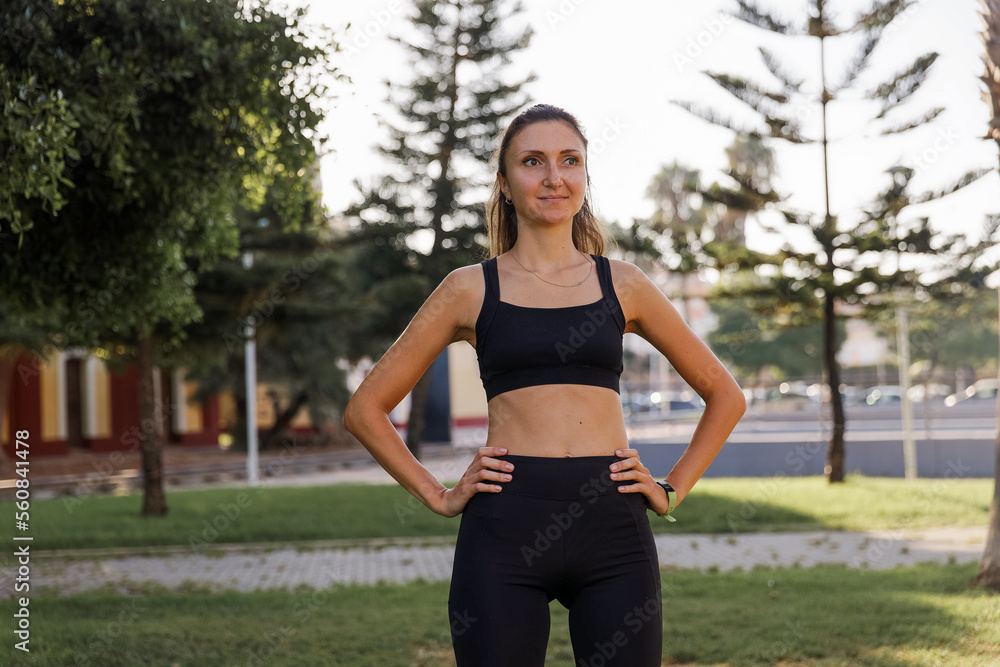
column 671, row 500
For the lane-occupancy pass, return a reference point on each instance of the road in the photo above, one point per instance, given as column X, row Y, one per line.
column 957, row 441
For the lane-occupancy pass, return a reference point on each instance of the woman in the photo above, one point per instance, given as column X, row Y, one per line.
column 554, row 506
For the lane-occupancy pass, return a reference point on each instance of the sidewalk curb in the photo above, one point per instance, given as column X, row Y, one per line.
column 367, row 543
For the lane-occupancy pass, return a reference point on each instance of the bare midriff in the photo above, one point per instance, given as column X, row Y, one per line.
column 557, row 420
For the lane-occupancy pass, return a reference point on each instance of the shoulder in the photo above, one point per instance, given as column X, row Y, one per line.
column 466, row 281
column 635, row 290
column 628, row 279
column 462, row 291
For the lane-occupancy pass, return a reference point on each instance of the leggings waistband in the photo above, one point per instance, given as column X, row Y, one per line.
column 561, row 478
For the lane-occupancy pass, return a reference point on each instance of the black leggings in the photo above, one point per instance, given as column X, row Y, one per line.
column 561, row 530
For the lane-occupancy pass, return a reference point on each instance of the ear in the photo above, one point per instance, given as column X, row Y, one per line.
column 504, row 187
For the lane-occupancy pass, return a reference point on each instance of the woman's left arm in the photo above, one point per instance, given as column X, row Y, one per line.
column 651, row 315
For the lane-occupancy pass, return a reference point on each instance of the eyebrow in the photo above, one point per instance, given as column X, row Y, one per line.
column 541, row 152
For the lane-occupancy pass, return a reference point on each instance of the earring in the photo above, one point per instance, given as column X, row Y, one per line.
column 508, row 200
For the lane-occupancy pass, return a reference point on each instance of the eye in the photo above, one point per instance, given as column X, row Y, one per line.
column 572, row 159
column 526, row 161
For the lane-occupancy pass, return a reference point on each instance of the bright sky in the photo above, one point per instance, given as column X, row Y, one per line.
column 617, row 66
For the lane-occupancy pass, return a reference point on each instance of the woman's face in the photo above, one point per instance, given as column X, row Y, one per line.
column 546, row 173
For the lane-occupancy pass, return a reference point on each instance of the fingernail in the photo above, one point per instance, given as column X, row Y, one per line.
column 506, row 476
column 621, row 488
column 509, row 466
column 614, row 467
column 503, row 449
column 618, row 452
column 614, row 475
column 498, row 488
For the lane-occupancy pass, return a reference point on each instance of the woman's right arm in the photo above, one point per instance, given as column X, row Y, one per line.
column 437, row 324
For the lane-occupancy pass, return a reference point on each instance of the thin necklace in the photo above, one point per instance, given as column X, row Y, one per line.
column 589, row 271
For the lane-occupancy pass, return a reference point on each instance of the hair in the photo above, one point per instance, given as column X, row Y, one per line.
column 589, row 234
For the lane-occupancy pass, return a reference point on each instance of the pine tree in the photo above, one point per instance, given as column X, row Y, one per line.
column 424, row 220
column 844, row 263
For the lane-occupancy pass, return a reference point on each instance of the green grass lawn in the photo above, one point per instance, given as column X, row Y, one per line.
column 290, row 514
column 922, row 615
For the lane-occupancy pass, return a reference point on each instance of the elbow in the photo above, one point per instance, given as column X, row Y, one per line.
column 352, row 418
column 740, row 404
column 730, row 400
column 358, row 413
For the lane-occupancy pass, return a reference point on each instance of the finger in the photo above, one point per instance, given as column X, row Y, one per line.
column 491, row 475
column 492, row 451
column 484, row 487
column 624, row 464
column 638, row 487
column 495, row 464
column 627, row 452
column 637, row 475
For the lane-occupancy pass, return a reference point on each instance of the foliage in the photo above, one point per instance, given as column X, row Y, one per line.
column 293, row 295
column 880, row 257
column 176, row 117
column 747, row 341
column 426, row 218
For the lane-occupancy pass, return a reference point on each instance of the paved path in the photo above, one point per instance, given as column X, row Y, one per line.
column 319, row 565
column 322, row 564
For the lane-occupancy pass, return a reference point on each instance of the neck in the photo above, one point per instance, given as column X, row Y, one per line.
column 542, row 254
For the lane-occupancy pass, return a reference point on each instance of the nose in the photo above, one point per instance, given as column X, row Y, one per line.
column 553, row 178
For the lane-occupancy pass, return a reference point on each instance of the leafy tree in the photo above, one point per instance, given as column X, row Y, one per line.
column 846, row 263
column 425, row 219
column 180, row 110
column 748, row 341
column 989, row 567
column 292, row 295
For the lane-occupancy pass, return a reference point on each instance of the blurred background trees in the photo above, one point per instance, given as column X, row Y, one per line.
column 426, row 218
column 165, row 115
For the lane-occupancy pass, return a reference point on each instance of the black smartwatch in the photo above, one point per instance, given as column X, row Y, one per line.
column 671, row 500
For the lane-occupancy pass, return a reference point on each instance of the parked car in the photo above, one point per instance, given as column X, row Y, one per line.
column 884, row 394
column 979, row 390
column 933, row 391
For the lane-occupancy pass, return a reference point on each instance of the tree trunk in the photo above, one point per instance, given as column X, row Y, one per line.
column 835, row 450
column 989, row 566
column 282, row 421
column 418, row 406
column 153, row 502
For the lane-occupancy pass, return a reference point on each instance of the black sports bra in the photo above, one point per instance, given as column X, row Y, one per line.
column 521, row 346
